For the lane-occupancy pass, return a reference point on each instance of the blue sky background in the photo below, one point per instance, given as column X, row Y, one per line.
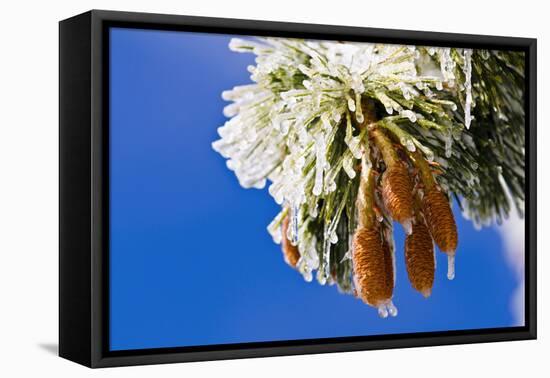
column 191, row 260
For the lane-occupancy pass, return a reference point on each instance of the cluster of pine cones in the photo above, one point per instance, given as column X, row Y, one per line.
column 401, row 185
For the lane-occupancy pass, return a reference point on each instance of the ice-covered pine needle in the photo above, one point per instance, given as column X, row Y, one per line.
column 428, row 123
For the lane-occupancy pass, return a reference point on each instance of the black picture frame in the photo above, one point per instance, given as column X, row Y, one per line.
column 84, row 184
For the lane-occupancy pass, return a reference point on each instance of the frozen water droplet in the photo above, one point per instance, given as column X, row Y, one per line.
column 331, row 186
column 408, row 143
column 260, row 184
column 277, row 236
column 351, row 105
column 321, row 278
column 410, row 115
column 450, row 266
column 314, row 211
column 407, row 226
column 348, row 166
column 230, row 164
column 392, row 309
column 382, row 311
column 333, row 237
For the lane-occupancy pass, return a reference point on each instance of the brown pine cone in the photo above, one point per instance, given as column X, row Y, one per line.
column 440, row 220
column 290, row 252
column 419, row 258
column 372, row 266
column 397, row 193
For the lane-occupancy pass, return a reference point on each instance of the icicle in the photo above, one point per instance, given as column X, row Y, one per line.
column 321, row 278
column 382, row 311
column 274, row 228
column 330, row 186
column 320, row 163
column 326, row 253
column 308, row 276
column 405, row 90
column 388, row 103
column 352, row 142
column 447, row 66
column 392, row 310
column 231, row 109
column 451, row 266
column 231, row 164
column 468, row 87
column 407, row 226
column 277, row 236
column 358, row 111
column 347, row 165
column 409, row 114
column 314, row 210
column 410, row 145
column 294, row 225
column 243, row 45
column 260, row 184
column 351, row 104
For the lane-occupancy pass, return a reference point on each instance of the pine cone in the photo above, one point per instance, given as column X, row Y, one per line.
column 440, row 220
column 397, row 193
column 419, row 258
column 290, row 252
column 373, row 267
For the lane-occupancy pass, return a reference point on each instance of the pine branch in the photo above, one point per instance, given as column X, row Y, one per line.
column 300, row 126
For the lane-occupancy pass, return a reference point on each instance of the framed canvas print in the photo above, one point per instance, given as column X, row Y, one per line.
column 233, row 188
